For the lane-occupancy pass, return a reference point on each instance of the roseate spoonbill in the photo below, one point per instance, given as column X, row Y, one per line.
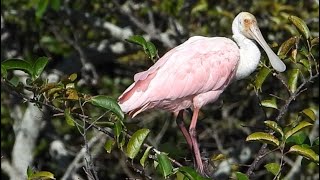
column 196, row 72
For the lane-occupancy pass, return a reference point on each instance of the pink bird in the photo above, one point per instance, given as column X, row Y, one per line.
column 196, row 72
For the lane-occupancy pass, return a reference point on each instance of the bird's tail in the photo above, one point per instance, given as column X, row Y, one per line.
column 134, row 99
column 129, row 108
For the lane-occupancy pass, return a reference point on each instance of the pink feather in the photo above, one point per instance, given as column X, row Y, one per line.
column 190, row 75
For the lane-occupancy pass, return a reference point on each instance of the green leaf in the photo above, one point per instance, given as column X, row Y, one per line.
column 39, row 66
column 68, row 117
column 117, row 129
column 135, row 142
column 73, row 77
column 180, row 176
column 18, row 64
column 305, row 63
column 273, row 168
column 263, row 137
column 309, row 113
column 70, row 86
column 274, row 126
column 241, row 176
column 218, row 157
column 151, row 50
column 42, row 174
column 164, row 166
column 4, row 72
column 297, row 128
column 300, row 25
column 48, row 86
column 191, row 173
column 270, row 103
column 122, row 142
column 305, row 152
column 54, row 92
column 293, row 79
column 261, row 77
column 109, row 145
column 299, row 138
column 29, row 171
column 41, row 8
column 145, row 156
column 139, row 40
column 287, row 46
column 107, row 103
column 15, row 82
column 148, row 47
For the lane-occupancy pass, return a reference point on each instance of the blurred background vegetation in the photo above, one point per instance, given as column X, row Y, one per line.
column 88, row 38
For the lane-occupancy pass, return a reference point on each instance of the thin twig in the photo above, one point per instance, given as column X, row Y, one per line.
column 278, row 76
column 89, row 163
column 281, row 165
column 97, row 119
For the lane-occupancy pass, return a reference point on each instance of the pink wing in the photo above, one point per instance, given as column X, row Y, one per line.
column 164, row 58
column 197, row 66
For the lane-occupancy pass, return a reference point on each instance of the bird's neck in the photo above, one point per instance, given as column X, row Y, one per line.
column 249, row 56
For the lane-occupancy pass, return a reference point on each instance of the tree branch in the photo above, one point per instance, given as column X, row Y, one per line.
column 74, row 164
column 26, row 129
column 86, row 118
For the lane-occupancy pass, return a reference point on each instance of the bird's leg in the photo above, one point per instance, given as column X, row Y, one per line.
column 193, row 134
column 183, row 129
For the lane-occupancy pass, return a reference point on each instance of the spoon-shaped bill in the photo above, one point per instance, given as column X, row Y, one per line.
column 276, row 63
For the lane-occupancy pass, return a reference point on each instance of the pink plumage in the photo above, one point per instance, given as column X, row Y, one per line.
column 190, row 75
column 196, row 72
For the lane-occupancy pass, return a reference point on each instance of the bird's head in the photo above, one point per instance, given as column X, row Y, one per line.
column 246, row 24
